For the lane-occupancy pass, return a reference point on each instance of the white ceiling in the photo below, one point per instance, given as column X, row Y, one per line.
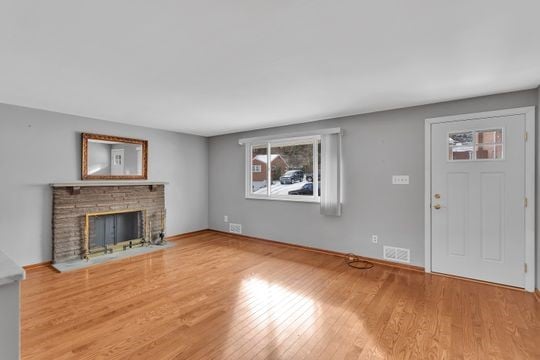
column 214, row 66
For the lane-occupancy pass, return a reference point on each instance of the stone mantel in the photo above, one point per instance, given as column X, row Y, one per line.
column 86, row 183
column 76, row 186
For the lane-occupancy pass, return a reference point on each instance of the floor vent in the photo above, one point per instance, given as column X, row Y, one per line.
column 235, row 228
column 397, row 254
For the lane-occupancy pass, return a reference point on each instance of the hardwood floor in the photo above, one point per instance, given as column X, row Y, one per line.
column 214, row 296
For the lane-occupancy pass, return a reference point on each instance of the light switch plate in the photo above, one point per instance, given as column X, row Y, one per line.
column 400, row 179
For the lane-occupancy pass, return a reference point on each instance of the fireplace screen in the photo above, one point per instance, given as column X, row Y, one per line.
column 107, row 232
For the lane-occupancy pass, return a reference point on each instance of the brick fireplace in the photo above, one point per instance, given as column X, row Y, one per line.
column 79, row 207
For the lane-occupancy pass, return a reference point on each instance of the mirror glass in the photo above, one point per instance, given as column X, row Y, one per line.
column 112, row 158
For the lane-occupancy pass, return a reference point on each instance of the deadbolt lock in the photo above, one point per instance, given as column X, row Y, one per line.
column 437, row 196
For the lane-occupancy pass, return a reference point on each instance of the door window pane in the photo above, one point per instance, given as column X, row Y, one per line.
column 489, row 152
column 489, row 144
column 489, row 137
column 461, row 146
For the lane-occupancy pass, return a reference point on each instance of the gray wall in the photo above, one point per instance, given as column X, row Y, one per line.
column 375, row 147
column 44, row 147
column 40, row 147
column 538, row 191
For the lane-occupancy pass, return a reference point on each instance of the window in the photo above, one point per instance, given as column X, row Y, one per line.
column 476, row 145
column 296, row 167
column 286, row 169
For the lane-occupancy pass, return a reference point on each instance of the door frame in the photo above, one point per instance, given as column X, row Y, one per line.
column 529, row 113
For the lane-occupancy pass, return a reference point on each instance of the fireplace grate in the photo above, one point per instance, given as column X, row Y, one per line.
column 109, row 231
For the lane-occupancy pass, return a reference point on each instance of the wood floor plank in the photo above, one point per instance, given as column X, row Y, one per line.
column 334, row 290
column 216, row 296
column 279, row 308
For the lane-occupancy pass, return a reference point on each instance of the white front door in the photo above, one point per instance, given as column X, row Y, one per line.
column 117, row 162
column 478, row 199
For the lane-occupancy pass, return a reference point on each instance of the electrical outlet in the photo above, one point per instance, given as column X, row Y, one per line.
column 400, row 180
column 374, row 239
column 226, row 218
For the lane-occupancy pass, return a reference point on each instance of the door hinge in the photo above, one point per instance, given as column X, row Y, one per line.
column 526, row 202
column 526, row 135
column 525, row 267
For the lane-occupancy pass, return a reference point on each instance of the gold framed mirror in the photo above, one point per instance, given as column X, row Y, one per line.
column 106, row 157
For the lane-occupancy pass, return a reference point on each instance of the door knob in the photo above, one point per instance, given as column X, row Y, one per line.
column 436, row 206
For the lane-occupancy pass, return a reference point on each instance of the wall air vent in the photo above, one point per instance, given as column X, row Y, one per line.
column 235, row 228
column 397, row 254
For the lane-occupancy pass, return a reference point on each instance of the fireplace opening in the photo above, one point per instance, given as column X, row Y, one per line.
column 113, row 231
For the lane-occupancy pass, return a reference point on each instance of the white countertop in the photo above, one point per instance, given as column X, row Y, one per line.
column 85, row 183
column 9, row 271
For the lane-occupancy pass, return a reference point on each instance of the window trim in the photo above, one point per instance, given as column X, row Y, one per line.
column 269, row 142
column 263, row 139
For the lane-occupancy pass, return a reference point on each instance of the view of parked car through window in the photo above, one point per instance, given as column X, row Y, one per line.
column 291, row 169
column 307, row 189
column 292, row 176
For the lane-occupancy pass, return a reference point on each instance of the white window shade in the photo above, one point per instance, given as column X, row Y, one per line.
column 331, row 174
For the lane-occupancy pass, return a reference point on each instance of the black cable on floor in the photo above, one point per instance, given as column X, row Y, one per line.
column 357, row 263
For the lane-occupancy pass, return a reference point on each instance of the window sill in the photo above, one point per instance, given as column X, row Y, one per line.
column 296, row 198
